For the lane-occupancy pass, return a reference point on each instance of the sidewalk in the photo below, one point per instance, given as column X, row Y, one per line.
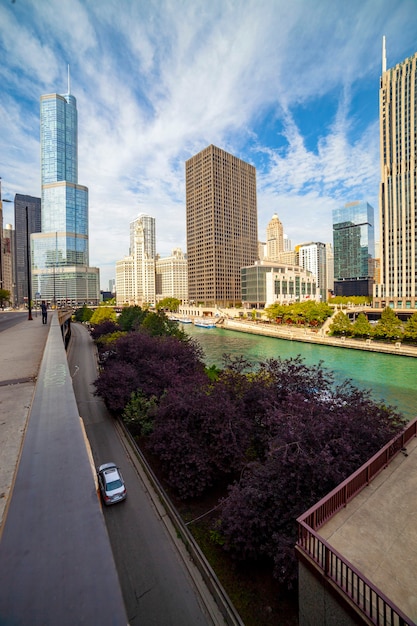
column 21, row 350
column 293, row 333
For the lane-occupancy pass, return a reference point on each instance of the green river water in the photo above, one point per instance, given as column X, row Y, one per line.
column 390, row 378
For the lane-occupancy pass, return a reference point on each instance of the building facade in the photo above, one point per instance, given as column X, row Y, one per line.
column 24, row 220
column 265, row 283
column 135, row 274
column 398, row 187
column 222, row 230
column 60, row 254
column 7, row 260
column 274, row 239
column 312, row 256
column 353, row 249
column 172, row 276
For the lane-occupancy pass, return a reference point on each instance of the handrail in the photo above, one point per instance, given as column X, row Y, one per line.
column 366, row 596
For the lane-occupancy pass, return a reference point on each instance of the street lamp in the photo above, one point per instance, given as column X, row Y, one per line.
column 28, row 268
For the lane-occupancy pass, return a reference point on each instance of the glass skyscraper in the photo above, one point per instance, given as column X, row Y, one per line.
column 60, row 258
column 354, row 249
column 22, row 223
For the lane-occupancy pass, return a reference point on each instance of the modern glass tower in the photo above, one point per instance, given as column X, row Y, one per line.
column 60, row 258
column 354, row 249
column 23, row 222
column 398, row 187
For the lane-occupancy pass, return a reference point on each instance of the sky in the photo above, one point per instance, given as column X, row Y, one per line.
column 290, row 86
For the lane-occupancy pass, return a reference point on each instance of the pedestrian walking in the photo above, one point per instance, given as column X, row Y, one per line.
column 44, row 312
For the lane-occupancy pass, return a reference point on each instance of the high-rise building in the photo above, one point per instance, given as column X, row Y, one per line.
column 398, row 187
column 222, row 229
column 312, row 257
column 27, row 217
column 7, row 262
column 274, row 238
column 353, row 249
column 60, row 255
column 135, row 274
column 171, row 276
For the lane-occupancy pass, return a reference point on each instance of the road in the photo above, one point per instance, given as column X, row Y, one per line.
column 8, row 319
column 156, row 587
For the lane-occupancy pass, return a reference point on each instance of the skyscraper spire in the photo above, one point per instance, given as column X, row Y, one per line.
column 384, row 56
column 69, row 82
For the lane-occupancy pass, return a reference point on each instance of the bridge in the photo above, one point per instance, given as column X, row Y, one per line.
column 56, row 560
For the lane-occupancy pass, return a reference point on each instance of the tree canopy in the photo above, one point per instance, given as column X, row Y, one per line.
column 274, row 439
column 103, row 313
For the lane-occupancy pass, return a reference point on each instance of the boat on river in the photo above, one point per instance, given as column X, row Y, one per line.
column 204, row 324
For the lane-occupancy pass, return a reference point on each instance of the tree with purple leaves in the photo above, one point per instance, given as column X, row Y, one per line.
column 152, row 365
column 314, row 438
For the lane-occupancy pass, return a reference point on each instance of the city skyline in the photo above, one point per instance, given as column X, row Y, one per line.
column 292, row 90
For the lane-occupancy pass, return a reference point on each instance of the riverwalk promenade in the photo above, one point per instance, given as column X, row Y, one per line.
column 319, row 336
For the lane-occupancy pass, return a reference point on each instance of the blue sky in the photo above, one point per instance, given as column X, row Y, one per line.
column 289, row 86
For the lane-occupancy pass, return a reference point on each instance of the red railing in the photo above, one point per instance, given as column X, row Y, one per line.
column 372, row 602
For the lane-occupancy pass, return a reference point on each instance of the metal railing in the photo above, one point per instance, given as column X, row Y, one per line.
column 366, row 596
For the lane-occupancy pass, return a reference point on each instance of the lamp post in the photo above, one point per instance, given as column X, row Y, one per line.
column 28, row 268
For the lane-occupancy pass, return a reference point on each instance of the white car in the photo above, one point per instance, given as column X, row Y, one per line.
column 111, row 483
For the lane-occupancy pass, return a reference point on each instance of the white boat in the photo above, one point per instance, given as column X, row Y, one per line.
column 204, row 324
column 185, row 320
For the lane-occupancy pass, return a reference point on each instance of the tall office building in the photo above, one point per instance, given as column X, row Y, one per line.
column 353, row 249
column 171, row 274
column 135, row 274
column 60, row 255
column 312, row 256
column 274, row 239
column 398, row 187
column 222, row 230
column 24, row 221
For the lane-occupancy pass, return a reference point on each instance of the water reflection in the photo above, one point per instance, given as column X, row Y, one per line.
column 389, row 377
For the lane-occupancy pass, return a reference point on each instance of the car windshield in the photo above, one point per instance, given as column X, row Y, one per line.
column 114, row 484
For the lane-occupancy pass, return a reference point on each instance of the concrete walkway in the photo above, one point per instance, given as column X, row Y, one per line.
column 305, row 335
column 377, row 531
column 21, row 350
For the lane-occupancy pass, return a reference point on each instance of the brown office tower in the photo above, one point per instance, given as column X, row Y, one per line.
column 222, row 225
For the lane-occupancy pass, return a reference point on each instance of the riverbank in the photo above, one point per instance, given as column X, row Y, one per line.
column 312, row 336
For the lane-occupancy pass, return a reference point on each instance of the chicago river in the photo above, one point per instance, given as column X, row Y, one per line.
column 390, row 378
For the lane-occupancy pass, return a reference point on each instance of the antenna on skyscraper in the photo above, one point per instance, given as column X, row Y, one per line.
column 69, row 82
column 384, row 55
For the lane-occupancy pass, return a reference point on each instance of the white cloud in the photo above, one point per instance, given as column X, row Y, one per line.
column 158, row 80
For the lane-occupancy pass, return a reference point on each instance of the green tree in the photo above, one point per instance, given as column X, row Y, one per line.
column 361, row 327
column 139, row 413
column 389, row 326
column 84, row 314
column 340, row 325
column 169, row 304
column 4, row 297
column 131, row 317
column 103, row 313
column 158, row 325
column 275, row 311
column 410, row 329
